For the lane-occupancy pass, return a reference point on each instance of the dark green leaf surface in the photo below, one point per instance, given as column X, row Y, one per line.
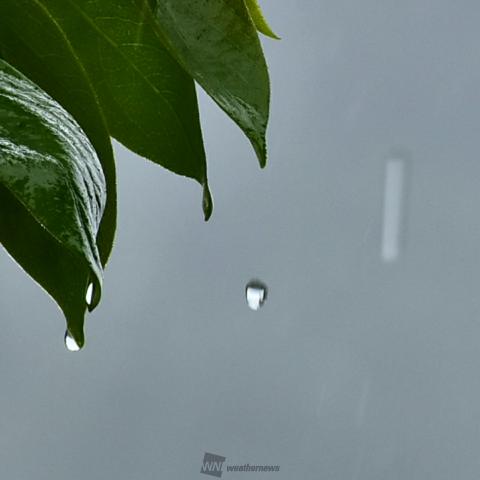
column 33, row 41
column 259, row 19
column 217, row 43
column 147, row 99
column 52, row 192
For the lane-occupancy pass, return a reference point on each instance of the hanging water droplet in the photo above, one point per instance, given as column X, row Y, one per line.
column 70, row 343
column 89, row 294
column 256, row 294
column 207, row 202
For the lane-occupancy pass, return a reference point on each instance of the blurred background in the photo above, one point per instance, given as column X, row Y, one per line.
column 363, row 362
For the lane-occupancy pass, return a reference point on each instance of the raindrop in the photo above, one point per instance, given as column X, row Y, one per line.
column 70, row 343
column 89, row 294
column 394, row 206
column 256, row 294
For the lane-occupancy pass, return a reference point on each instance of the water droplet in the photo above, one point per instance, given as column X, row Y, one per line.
column 207, row 202
column 89, row 294
column 70, row 343
column 256, row 294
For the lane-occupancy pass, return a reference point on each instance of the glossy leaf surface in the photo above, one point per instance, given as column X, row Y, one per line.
column 53, row 194
column 33, row 41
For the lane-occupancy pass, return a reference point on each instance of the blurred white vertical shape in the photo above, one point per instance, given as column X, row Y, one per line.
column 393, row 208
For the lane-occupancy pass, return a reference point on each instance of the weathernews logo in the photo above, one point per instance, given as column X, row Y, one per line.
column 213, row 465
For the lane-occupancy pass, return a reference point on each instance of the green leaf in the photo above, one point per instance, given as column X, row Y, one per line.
column 52, row 192
column 259, row 19
column 147, row 99
column 35, row 43
column 217, row 43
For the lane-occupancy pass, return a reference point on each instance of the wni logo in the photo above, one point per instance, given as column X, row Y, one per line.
column 212, row 465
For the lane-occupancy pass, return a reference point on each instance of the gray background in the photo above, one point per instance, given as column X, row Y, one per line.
column 354, row 368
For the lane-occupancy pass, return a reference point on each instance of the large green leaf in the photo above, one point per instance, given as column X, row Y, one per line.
column 52, row 193
column 217, row 43
column 35, row 43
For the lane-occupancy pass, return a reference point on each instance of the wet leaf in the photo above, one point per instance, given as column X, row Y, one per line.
column 217, row 43
column 34, row 42
column 52, row 194
column 148, row 101
column 121, row 68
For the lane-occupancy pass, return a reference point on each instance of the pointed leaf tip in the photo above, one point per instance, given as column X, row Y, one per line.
column 259, row 19
column 260, row 148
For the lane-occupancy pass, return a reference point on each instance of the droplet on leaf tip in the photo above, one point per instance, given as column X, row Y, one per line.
column 70, row 343
column 207, row 202
column 92, row 295
column 89, row 294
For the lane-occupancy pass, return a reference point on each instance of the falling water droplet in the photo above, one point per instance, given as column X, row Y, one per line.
column 256, row 294
column 89, row 294
column 394, row 209
column 70, row 343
